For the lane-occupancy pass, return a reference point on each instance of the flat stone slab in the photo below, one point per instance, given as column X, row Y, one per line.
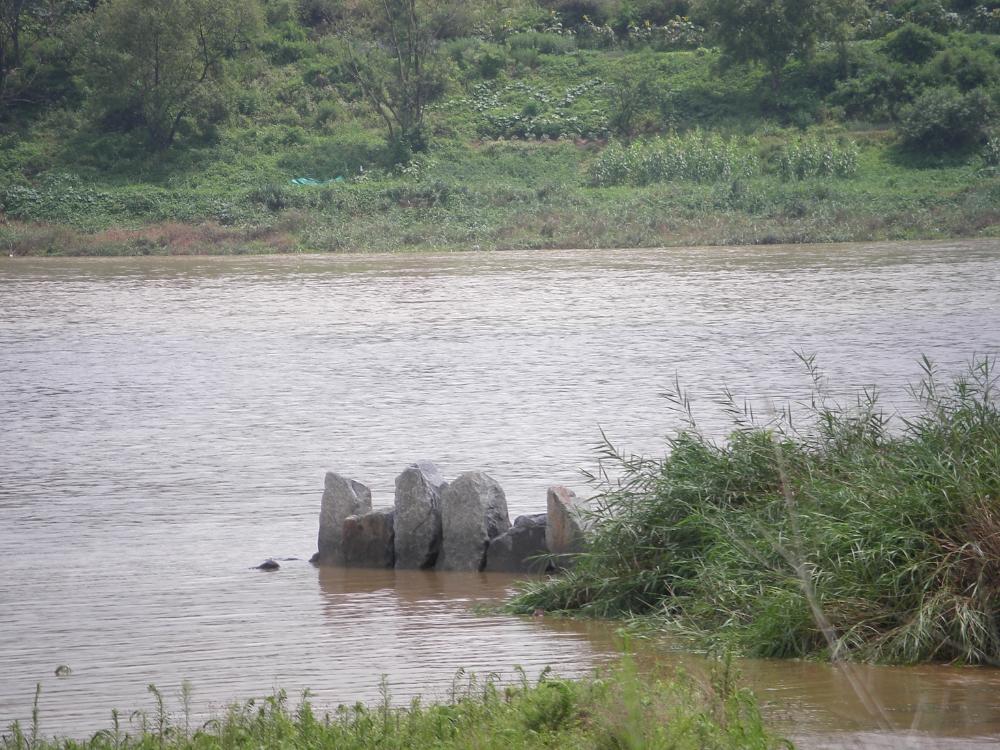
column 368, row 540
column 473, row 511
column 418, row 515
column 342, row 497
column 514, row 549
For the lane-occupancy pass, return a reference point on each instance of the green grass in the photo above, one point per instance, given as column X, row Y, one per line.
column 621, row 710
column 839, row 533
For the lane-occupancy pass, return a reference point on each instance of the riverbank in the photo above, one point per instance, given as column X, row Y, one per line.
column 618, row 709
column 837, row 534
column 508, row 196
column 534, row 138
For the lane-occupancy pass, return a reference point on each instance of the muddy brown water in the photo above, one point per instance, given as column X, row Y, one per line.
column 165, row 424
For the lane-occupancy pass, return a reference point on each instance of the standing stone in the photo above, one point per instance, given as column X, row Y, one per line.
column 512, row 550
column 564, row 530
column 368, row 540
column 342, row 497
column 473, row 511
column 418, row 515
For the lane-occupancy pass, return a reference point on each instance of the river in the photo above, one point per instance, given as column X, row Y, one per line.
column 165, row 424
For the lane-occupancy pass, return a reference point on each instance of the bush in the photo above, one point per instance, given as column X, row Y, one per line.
column 945, row 119
column 965, row 68
column 319, row 13
column 878, row 92
column 913, row 44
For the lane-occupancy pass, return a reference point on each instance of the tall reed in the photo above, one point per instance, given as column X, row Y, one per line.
column 841, row 533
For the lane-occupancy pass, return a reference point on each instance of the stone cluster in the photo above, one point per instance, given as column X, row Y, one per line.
column 458, row 525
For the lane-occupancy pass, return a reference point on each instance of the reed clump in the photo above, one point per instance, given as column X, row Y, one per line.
column 621, row 709
column 847, row 534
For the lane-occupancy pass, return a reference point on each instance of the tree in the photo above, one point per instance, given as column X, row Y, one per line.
column 396, row 66
column 24, row 25
column 154, row 63
column 773, row 31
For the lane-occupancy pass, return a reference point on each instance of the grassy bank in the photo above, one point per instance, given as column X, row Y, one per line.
column 619, row 710
column 509, row 196
column 540, row 135
column 839, row 533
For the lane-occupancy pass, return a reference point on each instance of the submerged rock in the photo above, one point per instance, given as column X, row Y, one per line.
column 512, row 550
column 473, row 511
column 342, row 497
column 564, row 531
column 268, row 564
column 418, row 515
column 368, row 540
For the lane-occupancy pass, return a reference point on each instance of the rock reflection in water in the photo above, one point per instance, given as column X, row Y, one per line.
column 418, row 627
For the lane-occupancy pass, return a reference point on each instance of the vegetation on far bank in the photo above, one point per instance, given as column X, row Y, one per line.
column 839, row 533
column 335, row 125
column 618, row 710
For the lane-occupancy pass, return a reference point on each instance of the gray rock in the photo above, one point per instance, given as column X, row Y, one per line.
column 368, row 540
column 473, row 511
column 418, row 515
column 342, row 497
column 512, row 550
column 268, row 564
column 564, row 532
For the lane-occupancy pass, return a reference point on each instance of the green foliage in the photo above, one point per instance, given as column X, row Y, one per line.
column 991, row 152
column 913, row 44
column 965, row 68
column 945, row 119
column 876, row 92
column 525, row 110
column 773, row 31
column 153, row 63
column 34, row 64
column 398, row 68
column 75, row 152
column 545, row 43
column 840, row 534
column 817, row 157
column 618, row 709
column 693, row 156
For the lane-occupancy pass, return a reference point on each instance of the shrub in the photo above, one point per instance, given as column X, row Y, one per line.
column 877, row 92
column 945, row 119
column 319, row 13
column 913, row 44
column 965, row 68
column 933, row 15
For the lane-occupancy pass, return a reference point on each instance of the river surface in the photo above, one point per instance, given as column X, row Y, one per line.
column 165, row 424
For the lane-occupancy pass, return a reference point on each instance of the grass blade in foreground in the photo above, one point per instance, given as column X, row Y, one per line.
column 621, row 710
